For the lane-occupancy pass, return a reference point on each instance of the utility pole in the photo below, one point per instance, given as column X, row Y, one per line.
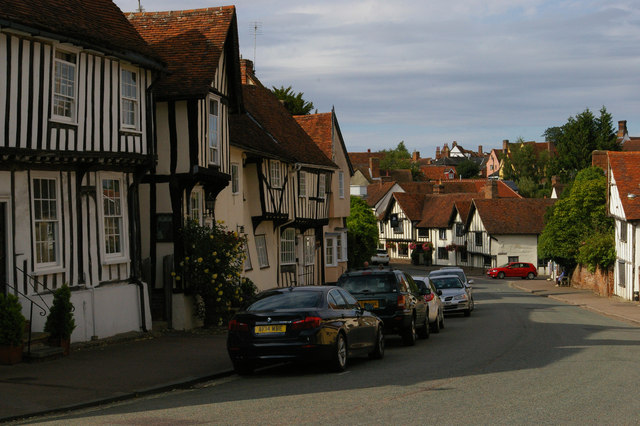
column 140, row 8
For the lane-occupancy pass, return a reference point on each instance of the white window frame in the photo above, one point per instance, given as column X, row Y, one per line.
column 213, row 130
column 322, row 185
column 235, row 178
column 122, row 255
column 247, row 260
column 126, row 97
column 623, row 231
column 341, row 246
column 442, row 233
column 341, row 184
column 309, row 248
column 62, row 65
column 275, row 178
column 55, row 241
column 288, row 247
column 261, row 249
column 302, row 184
column 196, row 205
column 330, row 258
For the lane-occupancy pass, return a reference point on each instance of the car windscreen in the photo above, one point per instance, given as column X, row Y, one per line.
column 442, row 283
column 286, row 300
column 358, row 284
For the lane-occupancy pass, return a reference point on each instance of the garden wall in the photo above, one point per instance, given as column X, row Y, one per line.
column 601, row 282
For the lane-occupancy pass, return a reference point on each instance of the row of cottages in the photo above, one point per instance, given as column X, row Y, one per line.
column 624, row 206
column 76, row 140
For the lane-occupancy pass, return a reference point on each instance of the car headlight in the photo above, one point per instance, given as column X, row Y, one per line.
column 462, row 296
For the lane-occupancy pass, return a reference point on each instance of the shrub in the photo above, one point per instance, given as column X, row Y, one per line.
column 60, row 323
column 597, row 251
column 11, row 320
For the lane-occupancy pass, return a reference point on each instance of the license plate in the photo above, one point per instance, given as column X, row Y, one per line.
column 372, row 303
column 261, row 329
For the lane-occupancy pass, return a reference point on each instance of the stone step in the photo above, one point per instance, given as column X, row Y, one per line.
column 41, row 353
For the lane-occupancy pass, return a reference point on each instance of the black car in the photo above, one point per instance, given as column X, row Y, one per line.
column 394, row 297
column 300, row 323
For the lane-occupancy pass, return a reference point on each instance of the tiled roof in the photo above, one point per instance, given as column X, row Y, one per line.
column 361, row 159
column 632, row 144
column 191, row 43
column 275, row 119
column 248, row 135
column 463, row 208
column 433, row 172
column 625, row 167
column 97, row 24
column 411, row 204
column 512, row 216
column 319, row 127
column 400, row 175
column 376, row 191
column 418, row 187
column 438, row 208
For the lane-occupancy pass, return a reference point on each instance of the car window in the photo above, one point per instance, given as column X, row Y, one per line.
column 286, row 300
column 422, row 286
column 351, row 301
column 370, row 283
column 336, row 301
column 402, row 283
column 433, row 287
column 412, row 285
column 447, row 282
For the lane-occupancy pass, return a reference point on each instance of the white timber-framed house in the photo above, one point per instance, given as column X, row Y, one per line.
column 76, row 134
column 193, row 166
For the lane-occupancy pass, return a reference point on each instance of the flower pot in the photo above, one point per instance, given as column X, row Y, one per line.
column 10, row 355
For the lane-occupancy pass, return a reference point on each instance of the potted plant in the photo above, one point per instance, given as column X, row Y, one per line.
column 11, row 329
column 60, row 323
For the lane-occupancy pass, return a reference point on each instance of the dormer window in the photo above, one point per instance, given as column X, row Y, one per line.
column 64, row 85
column 214, row 130
column 129, row 98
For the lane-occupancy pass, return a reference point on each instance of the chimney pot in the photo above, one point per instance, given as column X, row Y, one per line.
column 505, row 145
column 622, row 128
column 480, row 150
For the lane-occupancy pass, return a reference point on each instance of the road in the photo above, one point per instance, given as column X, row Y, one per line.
column 519, row 359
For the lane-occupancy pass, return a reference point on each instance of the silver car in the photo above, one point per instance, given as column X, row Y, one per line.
column 434, row 303
column 380, row 258
column 455, row 295
column 452, row 270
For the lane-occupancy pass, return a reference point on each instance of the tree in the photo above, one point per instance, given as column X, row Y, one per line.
column 527, row 167
column 293, row 101
column 362, row 238
column 396, row 159
column 577, row 226
column 468, row 169
column 578, row 138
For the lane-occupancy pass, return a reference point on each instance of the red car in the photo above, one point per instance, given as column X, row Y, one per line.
column 514, row 269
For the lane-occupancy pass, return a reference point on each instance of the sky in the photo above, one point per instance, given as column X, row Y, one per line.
column 432, row 72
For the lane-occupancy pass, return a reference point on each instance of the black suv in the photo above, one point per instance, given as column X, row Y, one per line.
column 394, row 297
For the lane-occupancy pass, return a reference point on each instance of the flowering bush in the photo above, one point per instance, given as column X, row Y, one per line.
column 415, row 246
column 428, row 246
column 211, row 270
column 390, row 244
column 451, row 247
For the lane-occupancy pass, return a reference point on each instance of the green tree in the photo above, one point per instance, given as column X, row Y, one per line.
column 396, row 159
column 575, row 220
column 362, row 238
column 468, row 169
column 527, row 167
column 577, row 139
column 293, row 101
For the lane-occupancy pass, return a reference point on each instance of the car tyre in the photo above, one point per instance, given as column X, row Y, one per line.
column 409, row 335
column 423, row 332
column 530, row 275
column 378, row 351
column 243, row 368
column 501, row 275
column 441, row 320
column 467, row 312
column 435, row 327
column 340, row 355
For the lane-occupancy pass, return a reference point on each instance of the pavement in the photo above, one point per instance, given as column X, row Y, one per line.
column 138, row 364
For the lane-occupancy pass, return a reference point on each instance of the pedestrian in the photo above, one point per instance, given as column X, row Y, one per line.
column 365, row 264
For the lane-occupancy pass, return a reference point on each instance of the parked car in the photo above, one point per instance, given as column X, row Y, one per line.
column 449, row 270
column 514, row 269
column 299, row 323
column 393, row 296
column 432, row 297
column 456, row 296
column 380, row 258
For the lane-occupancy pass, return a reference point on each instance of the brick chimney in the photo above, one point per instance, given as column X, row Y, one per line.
column 505, row 145
column 491, row 189
column 454, row 144
column 247, row 72
column 600, row 159
column 438, row 188
column 437, row 152
column 374, row 167
column 622, row 128
column 554, row 180
column 415, row 156
column 480, row 150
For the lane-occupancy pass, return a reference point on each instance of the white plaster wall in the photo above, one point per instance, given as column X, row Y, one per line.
column 523, row 246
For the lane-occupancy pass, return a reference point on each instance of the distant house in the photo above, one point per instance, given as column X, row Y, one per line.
column 627, row 143
column 366, row 166
column 624, row 206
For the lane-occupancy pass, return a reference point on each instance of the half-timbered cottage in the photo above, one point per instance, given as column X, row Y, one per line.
column 325, row 132
column 505, row 230
column 624, row 206
column 75, row 140
column 193, row 165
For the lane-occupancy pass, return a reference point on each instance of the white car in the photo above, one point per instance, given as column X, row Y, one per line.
column 381, row 257
column 434, row 303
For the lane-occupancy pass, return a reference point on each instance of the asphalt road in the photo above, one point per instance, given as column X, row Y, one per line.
column 519, row 359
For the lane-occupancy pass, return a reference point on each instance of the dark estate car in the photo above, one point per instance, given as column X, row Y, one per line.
column 393, row 296
column 296, row 323
column 514, row 269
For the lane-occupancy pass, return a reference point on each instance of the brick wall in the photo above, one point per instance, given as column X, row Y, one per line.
column 601, row 282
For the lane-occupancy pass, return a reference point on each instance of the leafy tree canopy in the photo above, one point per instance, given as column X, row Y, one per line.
column 527, row 167
column 363, row 232
column 577, row 226
column 578, row 138
column 396, row 159
column 293, row 101
column 468, row 169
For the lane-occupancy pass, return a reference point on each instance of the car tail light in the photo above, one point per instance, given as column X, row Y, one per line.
column 307, row 323
column 402, row 301
column 428, row 297
column 235, row 325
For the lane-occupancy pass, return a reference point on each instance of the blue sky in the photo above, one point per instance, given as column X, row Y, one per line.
column 429, row 73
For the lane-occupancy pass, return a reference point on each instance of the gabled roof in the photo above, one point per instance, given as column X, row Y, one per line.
column 631, row 144
column 435, row 172
column 463, row 207
column 418, row 187
column 437, row 209
column 191, row 42
column 411, row 204
column 95, row 24
column 511, row 216
column 245, row 133
column 376, row 191
column 361, row 159
column 625, row 168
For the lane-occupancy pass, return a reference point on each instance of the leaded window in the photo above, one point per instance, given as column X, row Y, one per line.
column 64, row 85
column 112, row 214
column 46, row 222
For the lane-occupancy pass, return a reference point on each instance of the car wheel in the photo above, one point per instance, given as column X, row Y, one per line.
column 441, row 320
column 409, row 336
column 435, row 327
column 467, row 312
column 501, row 275
column 340, row 355
column 423, row 332
column 530, row 275
column 243, row 368
column 378, row 351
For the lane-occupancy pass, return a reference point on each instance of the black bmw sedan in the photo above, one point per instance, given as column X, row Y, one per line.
column 298, row 323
